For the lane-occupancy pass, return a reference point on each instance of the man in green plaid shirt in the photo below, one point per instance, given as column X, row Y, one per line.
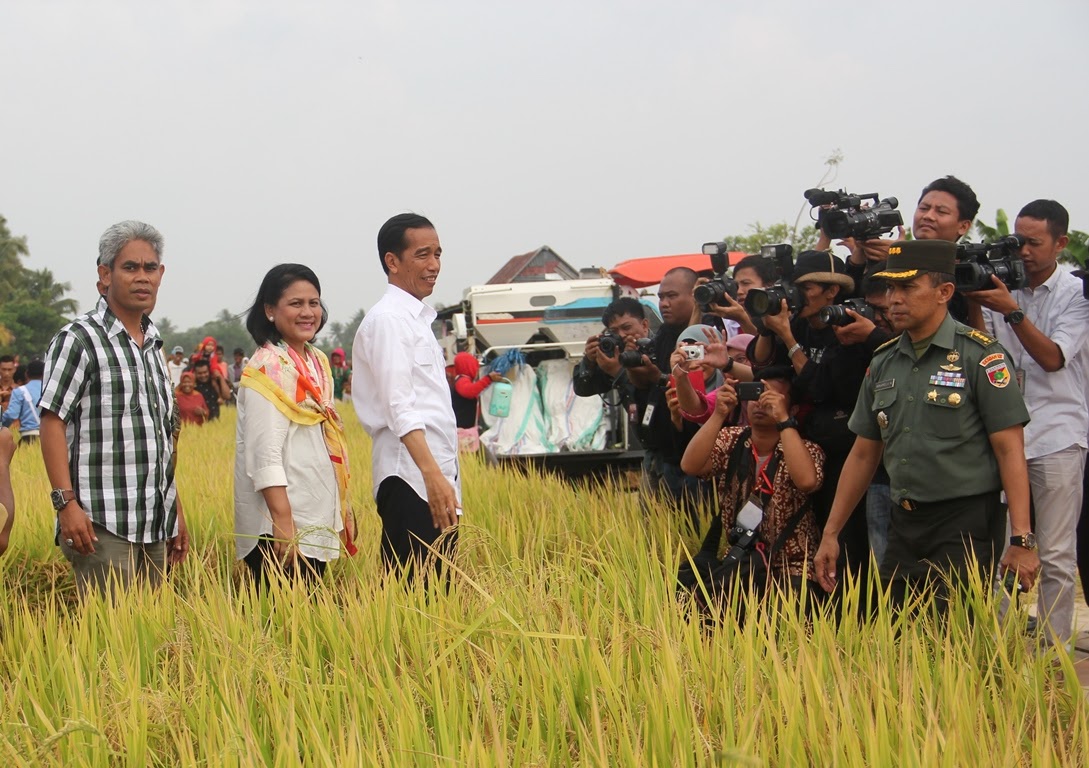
column 108, row 425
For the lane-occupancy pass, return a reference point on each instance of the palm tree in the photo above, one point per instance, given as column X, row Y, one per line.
column 1001, row 228
column 1077, row 250
column 41, row 286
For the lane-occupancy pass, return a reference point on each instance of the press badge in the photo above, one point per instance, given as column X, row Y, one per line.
column 648, row 414
column 1019, row 374
column 751, row 514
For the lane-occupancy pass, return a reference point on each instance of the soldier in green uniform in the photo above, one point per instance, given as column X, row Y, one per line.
column 939, row 403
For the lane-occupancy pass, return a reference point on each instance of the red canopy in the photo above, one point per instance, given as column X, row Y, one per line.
column 639, row 273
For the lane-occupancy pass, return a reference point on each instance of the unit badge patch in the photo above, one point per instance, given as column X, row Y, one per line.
column 999, row 375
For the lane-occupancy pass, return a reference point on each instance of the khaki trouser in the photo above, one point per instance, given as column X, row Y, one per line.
column 116, row 561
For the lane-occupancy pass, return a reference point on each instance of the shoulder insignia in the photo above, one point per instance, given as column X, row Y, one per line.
column 888, row 343
column 977, row 336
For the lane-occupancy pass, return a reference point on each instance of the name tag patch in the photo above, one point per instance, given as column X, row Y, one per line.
column 882, row 385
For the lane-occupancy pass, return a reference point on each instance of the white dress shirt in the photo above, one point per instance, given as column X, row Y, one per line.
column 1055, row 400
column 399, row 385
column 270, row 451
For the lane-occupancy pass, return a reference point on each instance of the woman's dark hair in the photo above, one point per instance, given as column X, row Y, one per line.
column 272, row 288
column 391, row 237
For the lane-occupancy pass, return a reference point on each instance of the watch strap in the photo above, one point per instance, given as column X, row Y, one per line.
column 789, row 423
column 1026, row 541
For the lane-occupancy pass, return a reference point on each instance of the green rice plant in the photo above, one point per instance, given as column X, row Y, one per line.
column 561, row 642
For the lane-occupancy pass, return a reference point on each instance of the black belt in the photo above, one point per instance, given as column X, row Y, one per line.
column 914, row 506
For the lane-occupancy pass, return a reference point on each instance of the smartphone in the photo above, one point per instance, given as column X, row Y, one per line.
column 750, row 390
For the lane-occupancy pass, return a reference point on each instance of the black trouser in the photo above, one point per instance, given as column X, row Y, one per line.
column 262, row 558
column 932, row 545
column 409, row 535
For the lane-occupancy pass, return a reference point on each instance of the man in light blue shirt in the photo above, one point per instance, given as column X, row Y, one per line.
column 23, row 406
column 1045, row 328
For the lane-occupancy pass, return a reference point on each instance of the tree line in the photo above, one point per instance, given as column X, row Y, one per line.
column 34, row 306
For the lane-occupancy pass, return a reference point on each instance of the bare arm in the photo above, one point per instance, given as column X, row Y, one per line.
column 74, row 522
column 1009, row 449
column 283, row 523
column 441, row 497
column 7, row 496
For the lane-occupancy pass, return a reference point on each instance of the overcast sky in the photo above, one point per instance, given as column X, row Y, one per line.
column 252, row 133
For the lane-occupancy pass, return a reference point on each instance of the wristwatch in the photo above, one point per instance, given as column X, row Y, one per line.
column 1014, row 317
column 1027, row 541
column 790, row 423
column 61, row 498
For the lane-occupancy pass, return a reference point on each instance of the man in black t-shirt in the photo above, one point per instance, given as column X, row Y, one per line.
column 203, row 373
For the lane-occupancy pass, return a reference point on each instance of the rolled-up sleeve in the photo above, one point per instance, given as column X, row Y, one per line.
column 264, row 434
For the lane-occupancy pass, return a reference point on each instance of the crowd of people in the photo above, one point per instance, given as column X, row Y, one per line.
column 902, row 437
column 928, row 463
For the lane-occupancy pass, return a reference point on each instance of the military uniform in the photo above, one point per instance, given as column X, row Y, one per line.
column 934, row 412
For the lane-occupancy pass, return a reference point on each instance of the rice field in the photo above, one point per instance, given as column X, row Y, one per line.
column 560, row 644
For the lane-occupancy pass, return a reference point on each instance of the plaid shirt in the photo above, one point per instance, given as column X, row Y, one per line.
column 119, row 407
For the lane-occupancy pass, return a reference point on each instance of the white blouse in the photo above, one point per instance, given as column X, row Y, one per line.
column 271, row 450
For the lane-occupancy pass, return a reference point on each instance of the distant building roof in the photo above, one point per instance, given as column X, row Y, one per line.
column 533, row 266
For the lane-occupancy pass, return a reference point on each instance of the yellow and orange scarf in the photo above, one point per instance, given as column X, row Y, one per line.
column 278, row 374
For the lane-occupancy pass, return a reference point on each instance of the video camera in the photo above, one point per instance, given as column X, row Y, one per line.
column 611, row 342
column 849, row 219
column 1084, row 277
column 976, row 262
column 718, row 287
column 768, row 301
column 836, row 314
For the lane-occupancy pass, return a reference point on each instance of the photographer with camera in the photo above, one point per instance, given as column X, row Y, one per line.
column 829, row 370
column 600, row 369
column 700, row 348
column 727, row 301
column 765, row 475
column 1045, row 326
column 945, row 211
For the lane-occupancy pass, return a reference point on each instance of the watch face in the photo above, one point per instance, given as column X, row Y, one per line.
column 57, row 498
column 1030, row 540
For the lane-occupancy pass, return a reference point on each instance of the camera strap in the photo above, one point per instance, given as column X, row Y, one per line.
column 741, row 461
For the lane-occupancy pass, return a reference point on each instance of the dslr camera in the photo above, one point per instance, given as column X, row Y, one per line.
column 768, row 301
column 847, row 217
column 611, row 342
column 976, row 262
column 721, row 285
column 836, row 314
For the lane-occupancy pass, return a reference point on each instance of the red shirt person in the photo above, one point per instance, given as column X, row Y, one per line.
column 191, row 404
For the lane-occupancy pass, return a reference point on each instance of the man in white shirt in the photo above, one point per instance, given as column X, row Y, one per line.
column 175, row 366
column 403, row 400
column 1045, row 327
